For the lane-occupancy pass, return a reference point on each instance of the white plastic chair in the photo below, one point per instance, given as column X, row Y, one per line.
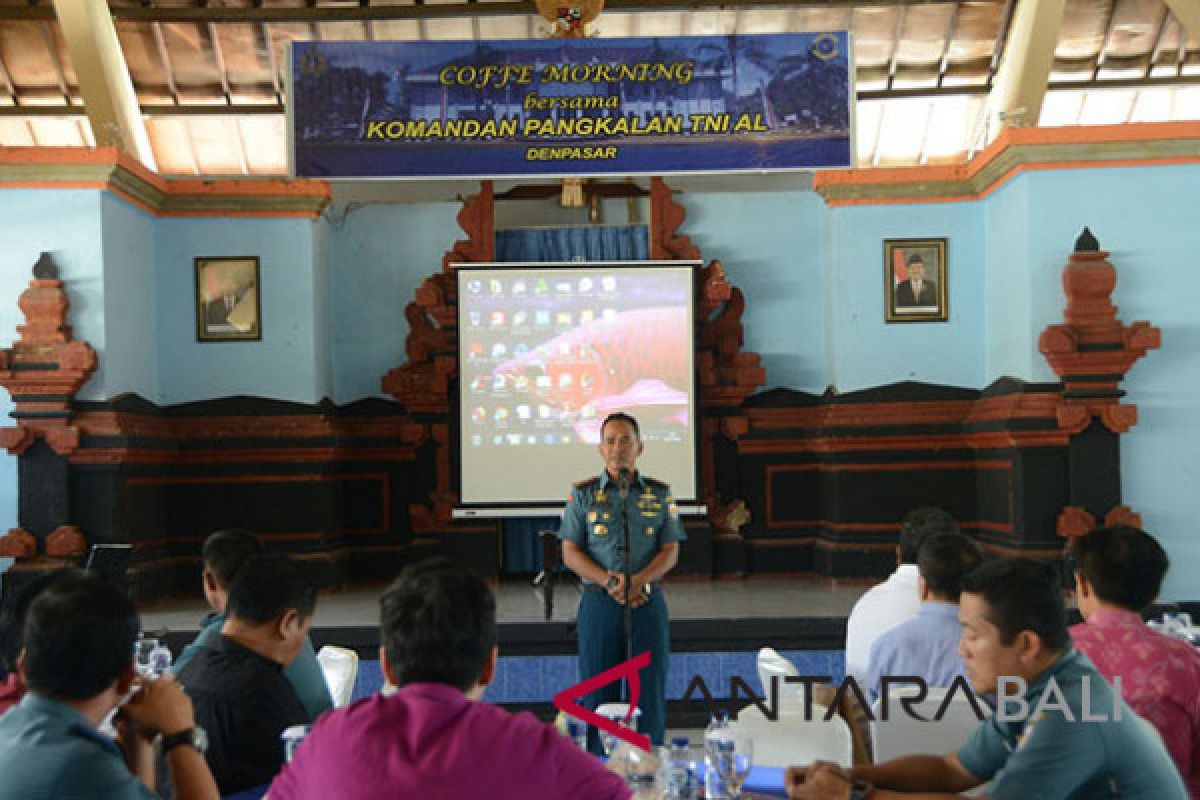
column 901, row 735
column 793, row 739
column 340, row 667
column 773, row 665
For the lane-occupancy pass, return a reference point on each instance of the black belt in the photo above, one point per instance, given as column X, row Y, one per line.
column 595, row 587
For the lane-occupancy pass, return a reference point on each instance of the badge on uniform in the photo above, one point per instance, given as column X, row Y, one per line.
column 649, row 530
column 600, row 530
column 592, row 516
column 601, row 497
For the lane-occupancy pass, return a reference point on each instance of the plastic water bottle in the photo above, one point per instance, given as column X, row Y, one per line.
column 718, row 745
column 160, row 660
column 681, row 783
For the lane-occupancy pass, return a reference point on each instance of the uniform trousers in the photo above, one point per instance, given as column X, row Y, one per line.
column 601, row 625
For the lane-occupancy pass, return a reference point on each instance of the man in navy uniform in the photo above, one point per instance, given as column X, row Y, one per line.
column 593, row 541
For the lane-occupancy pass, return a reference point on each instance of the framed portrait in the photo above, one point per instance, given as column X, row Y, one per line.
column 228, row 308
column 914, row 280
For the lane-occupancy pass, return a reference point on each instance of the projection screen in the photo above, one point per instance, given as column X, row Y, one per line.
column 547, row 351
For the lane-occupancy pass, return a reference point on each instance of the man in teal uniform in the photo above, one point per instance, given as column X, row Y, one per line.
column 593, row 541
column 1067, row 735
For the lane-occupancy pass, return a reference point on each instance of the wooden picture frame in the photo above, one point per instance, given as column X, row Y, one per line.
column 919, row 297
column 228, row 303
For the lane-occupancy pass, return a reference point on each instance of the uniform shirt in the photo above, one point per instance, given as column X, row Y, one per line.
column 1054, row 756
column 1160, row 680
column 244, row 703
column 882, row 608
column 429, row 741
column 594, row 515
column 304, row 673
column 925, row 646
column 49, row 751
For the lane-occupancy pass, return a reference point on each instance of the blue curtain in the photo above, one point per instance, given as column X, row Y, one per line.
column 522, row 546
column 590, row 243
column 522, row 550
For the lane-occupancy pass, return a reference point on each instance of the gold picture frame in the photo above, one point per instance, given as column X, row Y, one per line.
column 228, row 305
column 915, row 280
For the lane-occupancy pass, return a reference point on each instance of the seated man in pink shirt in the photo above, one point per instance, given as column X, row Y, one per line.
column 434, row 738
column 1118, row 573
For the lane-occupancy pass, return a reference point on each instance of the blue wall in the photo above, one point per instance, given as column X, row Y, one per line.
column 284, row 364
column 773, row 249
column 380, row 255
column 130, row 298
column 1146, row 217
column 866, row 350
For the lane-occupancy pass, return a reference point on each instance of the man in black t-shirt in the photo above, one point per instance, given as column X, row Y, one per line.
column 236, row 682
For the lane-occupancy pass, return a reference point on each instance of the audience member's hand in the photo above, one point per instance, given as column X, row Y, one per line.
column 820, row 781
column 162, row 706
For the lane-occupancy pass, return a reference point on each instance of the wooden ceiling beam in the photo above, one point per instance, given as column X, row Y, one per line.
column 1024, row 73
column 104, row 81
column 1188, row 14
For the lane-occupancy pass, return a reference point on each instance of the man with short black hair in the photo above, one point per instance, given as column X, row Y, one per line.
column 897, row 599
column 77, row 662
column 1119, row 571
column 1070, row 737
column 12, row 632
column 236, row 681
column 927, row 645
column 223, row 555
column 434, row 738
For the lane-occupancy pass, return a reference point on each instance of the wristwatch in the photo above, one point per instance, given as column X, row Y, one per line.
column 860, row 790
column 613, row 582
column 195, row 738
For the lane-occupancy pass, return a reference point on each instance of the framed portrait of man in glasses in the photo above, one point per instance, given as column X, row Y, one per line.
column 914, row 277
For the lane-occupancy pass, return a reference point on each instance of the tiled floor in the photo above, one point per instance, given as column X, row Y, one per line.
column 517, row 601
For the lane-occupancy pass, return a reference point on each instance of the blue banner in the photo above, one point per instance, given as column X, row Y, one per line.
column 570, row 106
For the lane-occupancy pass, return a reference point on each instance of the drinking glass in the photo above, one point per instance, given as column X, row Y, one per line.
column 734, row 763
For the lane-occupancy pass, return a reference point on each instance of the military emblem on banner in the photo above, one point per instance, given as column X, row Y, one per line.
column 569, row 18
column 825, row 46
